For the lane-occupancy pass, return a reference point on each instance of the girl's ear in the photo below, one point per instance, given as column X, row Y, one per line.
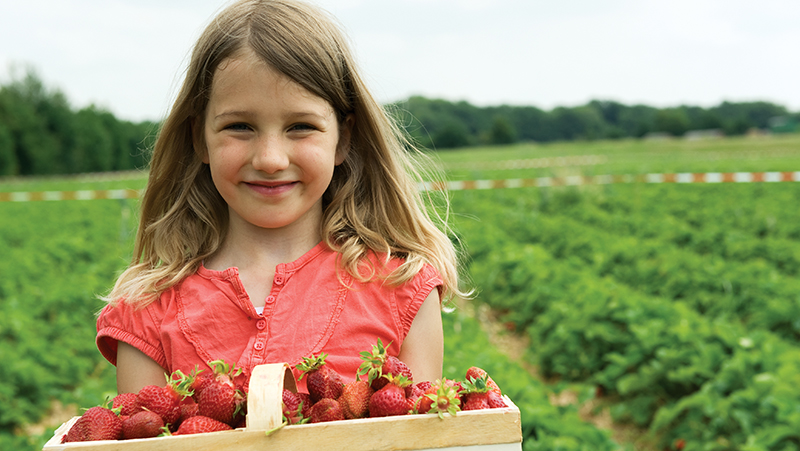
column 198, row 142
column 345, row 131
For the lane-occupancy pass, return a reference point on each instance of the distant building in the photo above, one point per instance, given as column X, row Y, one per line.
column 658, row 136
column 782, row 124
column 698, row 135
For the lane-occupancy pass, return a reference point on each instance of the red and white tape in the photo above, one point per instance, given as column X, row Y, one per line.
column 31, row 196
column 460, row 185
column 578, row 180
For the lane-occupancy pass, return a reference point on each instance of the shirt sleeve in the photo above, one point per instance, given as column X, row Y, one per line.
column 414, row 293
column 140, row 328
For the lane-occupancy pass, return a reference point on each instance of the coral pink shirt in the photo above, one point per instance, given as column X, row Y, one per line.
column 209, row 316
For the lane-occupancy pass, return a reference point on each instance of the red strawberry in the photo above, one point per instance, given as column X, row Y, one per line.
column 326, row 409
column 142, row 424
column 97, row 423
column 165, row 401
column 477, row 395
column 125, row 402
column 292, row 408
column 188, row 409
column 391, row 399
column 415, row 390
column 457, row 385
column 305, row 404
column 220, row 399
column 379, row 363
column 200, row 380
column 199, row 424
column 477, row 373
column 322, row 381
column 355, row 399
column 440, row 398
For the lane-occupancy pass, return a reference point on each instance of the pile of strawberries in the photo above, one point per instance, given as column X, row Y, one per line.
column 213, row 401
column 387, row 389
column 188, row 404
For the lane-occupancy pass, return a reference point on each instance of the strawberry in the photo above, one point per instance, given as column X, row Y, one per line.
column 305, row 404
column 477, row 373
column 415, row 390
column 326, row 409
column 125, row 402
column 199, row 424
column 220, row 399
column 200, row 380
column 378, row 363
column 478, row 395
column 457, row 385
column 355, row 399
column 322, row 382
column 188, row 409
column 440, row 398
column 390, row 399
column 165, row 401
column 97, row 423
column 142, row 424
column 292, row 408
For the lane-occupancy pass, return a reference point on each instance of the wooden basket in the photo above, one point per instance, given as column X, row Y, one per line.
column 480, row 430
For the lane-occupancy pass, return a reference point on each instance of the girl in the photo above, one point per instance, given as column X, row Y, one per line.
column 281, row 218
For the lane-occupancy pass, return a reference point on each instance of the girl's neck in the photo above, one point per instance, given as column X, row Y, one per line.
column 247, row 247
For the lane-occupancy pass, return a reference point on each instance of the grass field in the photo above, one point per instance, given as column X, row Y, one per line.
column 671, row 308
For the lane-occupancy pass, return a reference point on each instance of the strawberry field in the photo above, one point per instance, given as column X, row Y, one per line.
column 673, row 307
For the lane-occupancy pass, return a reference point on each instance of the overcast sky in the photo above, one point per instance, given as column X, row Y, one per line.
column 128, row 55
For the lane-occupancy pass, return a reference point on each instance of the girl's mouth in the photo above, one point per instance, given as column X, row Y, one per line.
column 271, row 188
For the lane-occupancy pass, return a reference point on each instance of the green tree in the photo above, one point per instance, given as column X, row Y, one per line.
column 454, row 134
column 93, row 150
column 8, row 161
column 502, row 132
column 582, row 122
column 674, row 121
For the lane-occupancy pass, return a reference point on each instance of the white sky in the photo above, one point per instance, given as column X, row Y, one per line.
column 128, row 55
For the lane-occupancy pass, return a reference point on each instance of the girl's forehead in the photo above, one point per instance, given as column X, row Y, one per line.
column 245, row 74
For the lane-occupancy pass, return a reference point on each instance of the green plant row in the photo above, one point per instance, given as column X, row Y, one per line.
column 544, row 426
column 718, row 381
column 57, row 258
column 761, row 292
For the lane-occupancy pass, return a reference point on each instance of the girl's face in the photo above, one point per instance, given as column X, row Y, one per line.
column 271, row 145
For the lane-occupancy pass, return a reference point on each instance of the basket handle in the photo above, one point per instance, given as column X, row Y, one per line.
column 265, row 395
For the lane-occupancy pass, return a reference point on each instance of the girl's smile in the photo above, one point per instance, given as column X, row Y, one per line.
column 271, row 188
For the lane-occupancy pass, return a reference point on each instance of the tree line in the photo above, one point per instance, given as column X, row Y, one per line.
column 41, row 134
column 442, row 124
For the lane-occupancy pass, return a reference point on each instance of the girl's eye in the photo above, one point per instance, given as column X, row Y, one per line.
column 302, row 127
column 237, row 127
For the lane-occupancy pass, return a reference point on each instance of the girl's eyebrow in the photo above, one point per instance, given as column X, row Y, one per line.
column 292, row 115
column 237, row 113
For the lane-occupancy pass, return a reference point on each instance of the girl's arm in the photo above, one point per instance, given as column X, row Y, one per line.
column 135, row 370
column 423, row 347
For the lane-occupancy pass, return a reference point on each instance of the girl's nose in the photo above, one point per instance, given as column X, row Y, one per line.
column 270, row 155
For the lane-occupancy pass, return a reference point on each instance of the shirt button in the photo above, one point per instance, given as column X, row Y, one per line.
column 258, row 346
column 279, row 279
column 270, row 299
column 261, row 324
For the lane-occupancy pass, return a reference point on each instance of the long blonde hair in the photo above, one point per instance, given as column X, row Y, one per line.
column 372, row 204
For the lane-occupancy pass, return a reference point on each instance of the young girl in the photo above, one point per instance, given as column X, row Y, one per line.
column 282, row 216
